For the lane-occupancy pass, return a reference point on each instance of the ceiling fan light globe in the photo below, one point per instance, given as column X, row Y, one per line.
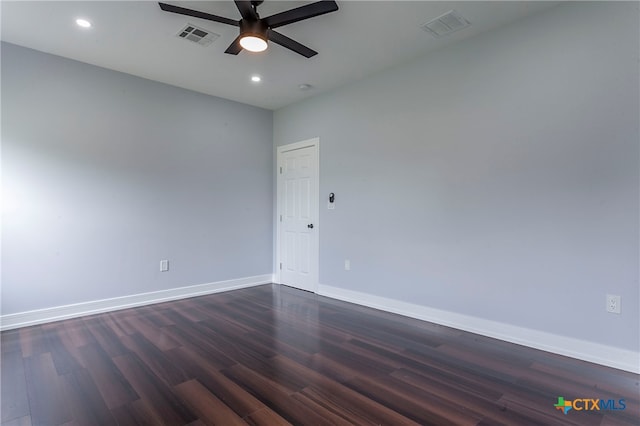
column 253, row 43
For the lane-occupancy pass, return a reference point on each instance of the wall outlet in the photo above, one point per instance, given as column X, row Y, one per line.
column 613, row 304
column 164, row 265
column 347, row 265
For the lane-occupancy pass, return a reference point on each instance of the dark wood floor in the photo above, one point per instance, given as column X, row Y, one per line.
column 273, row 355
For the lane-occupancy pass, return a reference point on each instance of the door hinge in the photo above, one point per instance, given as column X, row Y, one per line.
column 280, row 170
column 280, row 265
column 280, row 218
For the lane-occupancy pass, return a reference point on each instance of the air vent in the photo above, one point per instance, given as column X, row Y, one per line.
column 446, row 24
column 197, row 35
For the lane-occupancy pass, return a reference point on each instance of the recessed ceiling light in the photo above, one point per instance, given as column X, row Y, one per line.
column 256, row 78
column 83, row 23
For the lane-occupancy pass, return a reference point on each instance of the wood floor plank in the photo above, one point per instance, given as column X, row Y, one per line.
column 265, row 417
column 353, row 406
column 306, row 337
column 375, row 329
column 44, row 389
column 32, row 341
column 339, row 399
column 249, row 321
column 64, row 360
column 274, row 355
column 333, row 415
column 436, row 358
column 156, row 335
column 434, row 365
column 361, row 364
column 271, row 342
column 243, row 351
column 116, row 327
column 146, row 413
column 442, row 375
column 10, row 341
column 331, row 368
column 169, row 372
column 237, row 345
column 77, row 332
column 603, row 380
column 216, row 316
column 508, row 353
column 113, row 386
column 209, row 409
column 137, row 413
column 189, row 312
column 220, row 323
column 14, row 400
column 486, row 406
column 105, row 337
column 70, row 346
column 275, row 396
column 420, row 406
column 152, row 388
column 22, row 421
column 236, row 397
column 120, row 319
column 202, row 343
column 157, row 315
column 84, row 399
column 470, row 358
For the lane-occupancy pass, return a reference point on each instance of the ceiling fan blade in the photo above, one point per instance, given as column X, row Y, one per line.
column 196, row 14
column 246, row 10
column 234, row 48
column 290, row 44
column 300, row 13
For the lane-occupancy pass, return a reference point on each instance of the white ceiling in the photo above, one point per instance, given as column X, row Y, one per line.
column 136, row 37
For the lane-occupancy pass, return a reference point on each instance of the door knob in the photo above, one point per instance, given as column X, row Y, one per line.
column 310, row 226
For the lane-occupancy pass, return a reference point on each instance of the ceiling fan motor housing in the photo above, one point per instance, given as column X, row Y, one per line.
column 253, row 28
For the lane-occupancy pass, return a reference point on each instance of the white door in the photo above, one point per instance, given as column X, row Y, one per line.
column 298, row 215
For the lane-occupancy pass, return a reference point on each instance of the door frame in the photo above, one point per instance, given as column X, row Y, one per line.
column 315, row 143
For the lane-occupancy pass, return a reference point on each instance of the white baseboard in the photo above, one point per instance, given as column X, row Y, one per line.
column 40, row 316
column 575, row 348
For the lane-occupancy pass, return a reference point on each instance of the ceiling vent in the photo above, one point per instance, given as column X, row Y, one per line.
column 446, row 24
column 197, row 35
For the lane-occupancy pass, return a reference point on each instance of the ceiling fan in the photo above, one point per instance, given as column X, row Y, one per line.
column 256, row 31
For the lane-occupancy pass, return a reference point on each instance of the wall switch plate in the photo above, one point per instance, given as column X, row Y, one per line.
column 613, row 303
column 164, row 265
column 347, row 265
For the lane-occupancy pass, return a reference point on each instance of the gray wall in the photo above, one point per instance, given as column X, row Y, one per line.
column 105, row 174
column 496, row 178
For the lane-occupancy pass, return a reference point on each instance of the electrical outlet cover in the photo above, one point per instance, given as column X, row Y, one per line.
column 613, row 303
